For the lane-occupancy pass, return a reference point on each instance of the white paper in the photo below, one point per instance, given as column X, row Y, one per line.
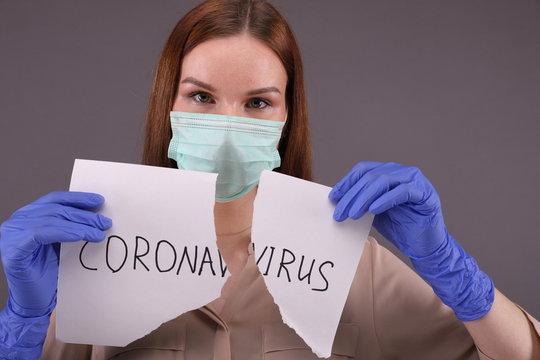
column 293, row 220
column 115, row 305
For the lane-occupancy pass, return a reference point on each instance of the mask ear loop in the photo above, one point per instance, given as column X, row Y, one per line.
column 285, row 131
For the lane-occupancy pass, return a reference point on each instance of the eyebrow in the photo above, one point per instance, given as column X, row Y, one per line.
column 194, row 81
column 209, row 87
column 264, row 90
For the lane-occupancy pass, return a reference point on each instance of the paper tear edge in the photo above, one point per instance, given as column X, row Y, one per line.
column 291, row 325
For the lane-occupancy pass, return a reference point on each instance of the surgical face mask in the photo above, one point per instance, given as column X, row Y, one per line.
column 237, row 148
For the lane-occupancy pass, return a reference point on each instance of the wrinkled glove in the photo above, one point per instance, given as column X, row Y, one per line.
column 408, row 213
column 30, row 245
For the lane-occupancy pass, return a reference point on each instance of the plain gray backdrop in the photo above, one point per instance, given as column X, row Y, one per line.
column 452, row 87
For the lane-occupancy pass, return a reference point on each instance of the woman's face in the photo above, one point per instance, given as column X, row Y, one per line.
column 237, row 75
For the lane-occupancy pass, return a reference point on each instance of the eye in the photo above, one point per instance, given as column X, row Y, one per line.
column 201, row 97
column 258, row 103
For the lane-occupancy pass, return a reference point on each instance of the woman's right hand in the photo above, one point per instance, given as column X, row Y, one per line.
column 30, row 246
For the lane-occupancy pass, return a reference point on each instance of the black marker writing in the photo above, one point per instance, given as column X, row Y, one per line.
column 270, row 260
column 107, row 253
column 186, row 255
column 308, row 275
column 138, row 257
column 294, row 267
column 169, row 257
column 80, row 257
column 157, row 257
column 283, row 263
column 222, row 265
column 324, row 277
column 205, row 261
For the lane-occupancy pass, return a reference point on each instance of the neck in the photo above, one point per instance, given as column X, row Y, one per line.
column 233, row 229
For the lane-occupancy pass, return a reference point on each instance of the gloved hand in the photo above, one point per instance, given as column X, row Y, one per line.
column 408, row 213
column 30, row 244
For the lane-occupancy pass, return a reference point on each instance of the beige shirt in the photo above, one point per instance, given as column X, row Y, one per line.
column 391, row 313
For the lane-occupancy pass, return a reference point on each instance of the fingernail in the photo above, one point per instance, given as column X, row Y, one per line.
column 337, row 216
column 105, row 221
column 333, row 195
column 98, row 198
column 98, row 236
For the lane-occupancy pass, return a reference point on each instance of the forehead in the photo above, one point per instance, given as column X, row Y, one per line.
column 241, row 59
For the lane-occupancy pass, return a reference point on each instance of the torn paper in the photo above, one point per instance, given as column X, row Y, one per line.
column 158, row 261
column 308, row 260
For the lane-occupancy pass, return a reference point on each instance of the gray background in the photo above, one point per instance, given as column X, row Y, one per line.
column 452, row 87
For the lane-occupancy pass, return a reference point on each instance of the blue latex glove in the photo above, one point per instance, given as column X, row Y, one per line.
column 408, row 213
column 30, row 244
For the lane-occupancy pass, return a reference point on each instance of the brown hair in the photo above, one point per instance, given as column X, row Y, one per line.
column 222, row 18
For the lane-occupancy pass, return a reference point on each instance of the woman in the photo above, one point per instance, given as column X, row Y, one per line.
column 238, row 61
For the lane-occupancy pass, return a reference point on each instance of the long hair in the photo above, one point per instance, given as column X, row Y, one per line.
column 222, row 18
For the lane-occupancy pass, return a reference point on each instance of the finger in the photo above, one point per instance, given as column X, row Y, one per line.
column 351, row 178
column 64, row 212
column 67, row 234
column 367, row 195
column 378, row 183
column 48, row 230
column 404, row 193
column 59, row 234
column 384, row 172
column 83, row 200
column 341, row 212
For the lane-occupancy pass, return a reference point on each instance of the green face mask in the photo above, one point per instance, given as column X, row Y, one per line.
column 237, row 148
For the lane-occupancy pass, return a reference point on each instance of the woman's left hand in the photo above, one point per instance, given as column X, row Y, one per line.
column 408, row 213
column 407, row 207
